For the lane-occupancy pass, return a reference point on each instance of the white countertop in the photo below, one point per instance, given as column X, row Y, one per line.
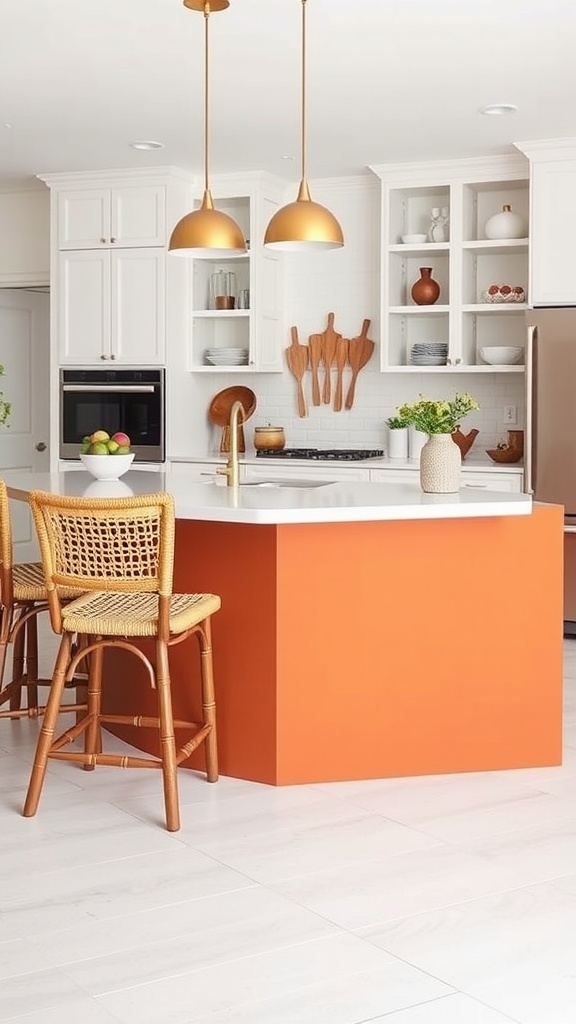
column 276, row 503
column 469, row 465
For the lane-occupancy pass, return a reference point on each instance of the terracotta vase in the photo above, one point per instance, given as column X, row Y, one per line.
column 440, row 465
column 425, row 290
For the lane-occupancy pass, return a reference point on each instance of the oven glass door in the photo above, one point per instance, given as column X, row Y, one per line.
column 136, row 410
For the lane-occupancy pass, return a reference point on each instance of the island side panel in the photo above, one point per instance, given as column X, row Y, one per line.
column 238, row 562
column 424, row 647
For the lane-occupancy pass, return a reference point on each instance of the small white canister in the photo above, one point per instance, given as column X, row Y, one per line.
column 398, row 443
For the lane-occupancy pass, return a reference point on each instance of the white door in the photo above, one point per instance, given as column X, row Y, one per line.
column 24, row 354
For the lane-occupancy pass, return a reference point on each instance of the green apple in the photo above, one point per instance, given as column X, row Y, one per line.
column 123, row 449
column 98, row 448
column 99, row 435
column 112, row 446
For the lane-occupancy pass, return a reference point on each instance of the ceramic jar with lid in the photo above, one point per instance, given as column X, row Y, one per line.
column 269, row 438
column 506, row 224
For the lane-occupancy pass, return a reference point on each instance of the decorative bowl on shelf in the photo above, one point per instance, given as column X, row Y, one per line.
column 502, row 355
column 504, row 293
column 504, row 454
column 414, row 239
column 107, row 467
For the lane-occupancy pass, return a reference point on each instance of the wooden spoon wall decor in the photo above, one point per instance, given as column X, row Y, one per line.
column 341, row 360
column 359, row 352
column 315, row 345
column 329, row 343
column 297, row 357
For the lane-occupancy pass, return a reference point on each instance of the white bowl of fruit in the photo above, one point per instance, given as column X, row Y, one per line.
column 106, row 457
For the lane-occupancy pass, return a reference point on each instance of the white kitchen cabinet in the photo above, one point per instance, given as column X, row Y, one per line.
column 25, row 236
column 122, row 217
column 251, row 200
column 552, row 221
column 492, row 480
column 198, row 471
column 483, row 479
column 465, row 264
column 117, row 294
column 111, row 306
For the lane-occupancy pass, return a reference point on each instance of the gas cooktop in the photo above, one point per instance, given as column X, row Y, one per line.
column 331, row 454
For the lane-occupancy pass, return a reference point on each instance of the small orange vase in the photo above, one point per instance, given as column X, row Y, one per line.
column 425, row 290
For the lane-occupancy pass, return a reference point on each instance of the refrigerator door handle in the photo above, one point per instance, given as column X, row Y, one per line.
column 528, row 360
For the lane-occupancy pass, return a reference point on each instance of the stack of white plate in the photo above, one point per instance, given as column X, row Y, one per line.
column 429, row 353
column 227, row 356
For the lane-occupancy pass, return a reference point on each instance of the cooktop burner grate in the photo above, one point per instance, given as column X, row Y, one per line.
column 330, row 454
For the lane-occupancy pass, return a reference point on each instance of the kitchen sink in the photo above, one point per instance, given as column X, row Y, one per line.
column 287, row 483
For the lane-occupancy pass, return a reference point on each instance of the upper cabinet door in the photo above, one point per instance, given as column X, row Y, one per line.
column 108, row 218
column 84, row 219
column 138, row 216
column 552, row 279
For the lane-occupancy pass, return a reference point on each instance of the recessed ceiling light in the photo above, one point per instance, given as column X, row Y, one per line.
column 147, row 145
column 498, row 109
column 5, row 124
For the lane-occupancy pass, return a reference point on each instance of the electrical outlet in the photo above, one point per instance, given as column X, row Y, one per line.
column 510, row 414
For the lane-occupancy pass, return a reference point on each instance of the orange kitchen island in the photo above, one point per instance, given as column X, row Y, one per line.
column 366, row 630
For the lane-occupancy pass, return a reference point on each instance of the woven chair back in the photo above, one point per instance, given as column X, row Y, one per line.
column 6, row 555
column 112, row 544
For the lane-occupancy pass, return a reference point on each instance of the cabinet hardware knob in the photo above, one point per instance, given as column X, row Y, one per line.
column 103, row 241
column 112, row 240
column 103, row 357
column 40, row 447
column 112, row 356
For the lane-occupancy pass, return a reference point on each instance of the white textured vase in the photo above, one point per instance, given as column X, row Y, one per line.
column 398, row 443
column 440, row 465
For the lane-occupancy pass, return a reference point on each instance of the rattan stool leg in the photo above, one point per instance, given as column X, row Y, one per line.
column 167, row 738
column 208, row 701
column 18, row 666
column 93, row 734
column 31, row 677
column 47, row 730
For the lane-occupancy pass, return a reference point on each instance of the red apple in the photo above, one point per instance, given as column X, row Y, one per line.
column 121, row 439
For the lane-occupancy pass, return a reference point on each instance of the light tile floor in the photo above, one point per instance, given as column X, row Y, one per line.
column 437, row 900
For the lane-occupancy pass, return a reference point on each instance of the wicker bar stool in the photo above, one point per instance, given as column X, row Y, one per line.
column 22, row 597
column 120, row 552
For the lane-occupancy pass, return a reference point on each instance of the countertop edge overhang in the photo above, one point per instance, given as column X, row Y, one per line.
column 280, row 505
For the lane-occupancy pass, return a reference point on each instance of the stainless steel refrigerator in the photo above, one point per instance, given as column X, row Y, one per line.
column 550, row 428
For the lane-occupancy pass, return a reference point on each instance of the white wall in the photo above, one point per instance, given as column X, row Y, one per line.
column 346, row 282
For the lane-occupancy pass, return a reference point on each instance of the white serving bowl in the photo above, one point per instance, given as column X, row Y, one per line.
column 414, row 239
column 502, row 355
column 107, row 467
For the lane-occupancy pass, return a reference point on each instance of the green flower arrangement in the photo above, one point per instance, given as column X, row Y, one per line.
column 397, row 422
column 5, row 407
column 434, row 416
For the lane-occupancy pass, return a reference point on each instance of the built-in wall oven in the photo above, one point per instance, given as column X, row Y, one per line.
column 112, row 400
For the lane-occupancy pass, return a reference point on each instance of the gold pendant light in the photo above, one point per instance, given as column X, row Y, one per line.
column 207, row 233
column 303, row 226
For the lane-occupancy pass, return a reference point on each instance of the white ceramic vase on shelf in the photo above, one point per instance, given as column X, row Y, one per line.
column 506, row 224
column 398, row 443
column 440, row 465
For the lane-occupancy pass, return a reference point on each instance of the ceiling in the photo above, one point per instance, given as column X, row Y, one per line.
column 387, row 81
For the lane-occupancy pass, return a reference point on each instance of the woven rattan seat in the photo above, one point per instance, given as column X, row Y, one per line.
column 118, row 553
column 22, row 597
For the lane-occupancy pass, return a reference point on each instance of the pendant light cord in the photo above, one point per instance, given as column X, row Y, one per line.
column 206, row 81
column 303, row 114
